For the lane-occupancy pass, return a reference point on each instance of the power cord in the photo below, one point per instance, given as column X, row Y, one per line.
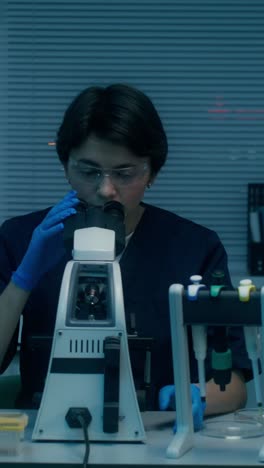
column 86, row 440
column 81, row 417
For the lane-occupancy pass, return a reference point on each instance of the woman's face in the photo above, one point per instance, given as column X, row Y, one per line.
column 101, row 171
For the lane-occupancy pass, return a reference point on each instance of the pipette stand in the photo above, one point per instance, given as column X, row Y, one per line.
column 224, row 310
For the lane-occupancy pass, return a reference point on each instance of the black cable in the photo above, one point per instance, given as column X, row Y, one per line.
column 86, row 440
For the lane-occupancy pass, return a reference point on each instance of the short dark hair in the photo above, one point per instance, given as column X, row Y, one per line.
column 119, row 114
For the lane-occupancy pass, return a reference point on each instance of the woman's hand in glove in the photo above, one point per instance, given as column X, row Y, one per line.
column 46, row 246
column 167, row 401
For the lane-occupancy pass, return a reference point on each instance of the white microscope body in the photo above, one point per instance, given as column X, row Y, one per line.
column 89, row 364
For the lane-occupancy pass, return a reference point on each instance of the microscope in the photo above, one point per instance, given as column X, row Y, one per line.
column 89, row 371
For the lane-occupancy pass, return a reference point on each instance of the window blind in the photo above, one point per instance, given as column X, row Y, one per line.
column 201, row 62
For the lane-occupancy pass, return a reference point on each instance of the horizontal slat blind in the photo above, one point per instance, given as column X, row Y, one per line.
column 200, row 61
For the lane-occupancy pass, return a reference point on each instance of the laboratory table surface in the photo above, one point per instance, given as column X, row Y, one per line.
column 206, row 452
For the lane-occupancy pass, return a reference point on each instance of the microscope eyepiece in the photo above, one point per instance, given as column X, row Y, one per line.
column 114, row 208
column 110, row 216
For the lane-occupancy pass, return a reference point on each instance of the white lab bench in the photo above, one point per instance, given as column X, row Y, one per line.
column 207, row 451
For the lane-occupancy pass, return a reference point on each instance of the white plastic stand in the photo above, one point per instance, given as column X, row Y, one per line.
column 183, row 439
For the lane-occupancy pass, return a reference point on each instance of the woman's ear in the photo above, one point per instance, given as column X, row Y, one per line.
column 151, row 181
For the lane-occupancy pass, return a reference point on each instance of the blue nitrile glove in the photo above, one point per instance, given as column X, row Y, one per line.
column 46, row 246
column 167, row 401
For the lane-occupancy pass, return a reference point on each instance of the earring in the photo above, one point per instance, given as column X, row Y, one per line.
column 149, row 185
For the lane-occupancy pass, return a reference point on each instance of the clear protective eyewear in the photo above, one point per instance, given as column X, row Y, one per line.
column 93, row 175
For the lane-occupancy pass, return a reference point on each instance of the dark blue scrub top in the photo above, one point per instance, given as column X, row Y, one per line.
column 163, row 250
